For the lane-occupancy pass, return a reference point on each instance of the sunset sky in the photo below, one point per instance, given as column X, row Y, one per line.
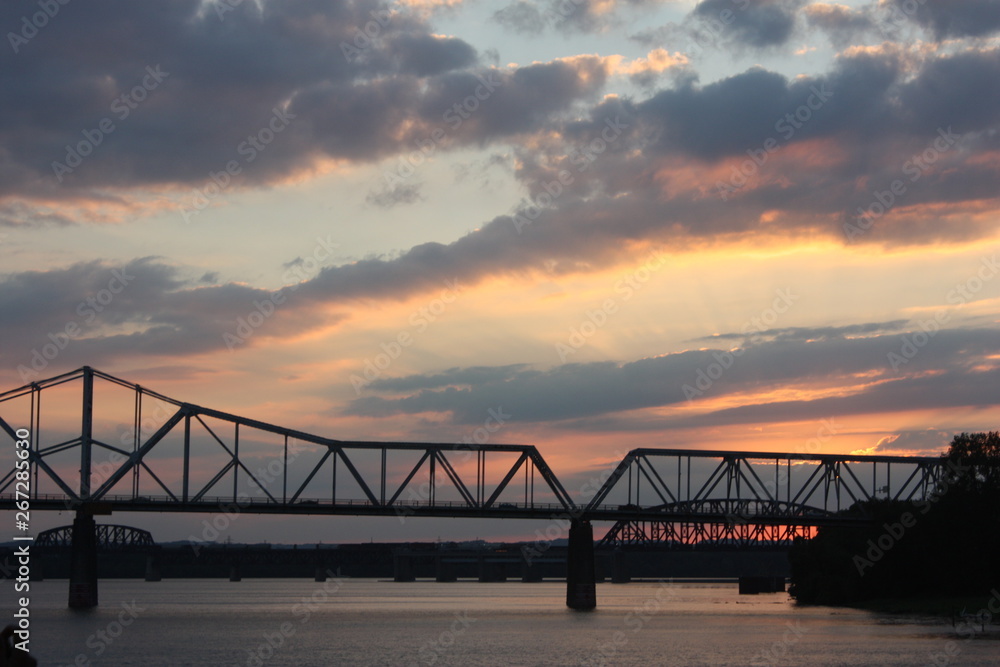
column 624, row 223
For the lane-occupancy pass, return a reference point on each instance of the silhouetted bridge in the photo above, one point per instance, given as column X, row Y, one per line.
column 151, row 453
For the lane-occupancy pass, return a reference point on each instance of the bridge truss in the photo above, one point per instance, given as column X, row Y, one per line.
column 187, row 458
column 110, row 537
column 154, row 453
column 740, row 498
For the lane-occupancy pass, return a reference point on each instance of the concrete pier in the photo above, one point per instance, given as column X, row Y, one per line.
column 402, row 567
column 83, row 563
column 581, row 589
column 153, row 568
column 619, row 567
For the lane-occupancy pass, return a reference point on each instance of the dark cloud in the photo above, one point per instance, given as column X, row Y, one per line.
column 273, row 91
column 844, row 25
column 407, row 193
column 578, row 391
column 813, row 333
column 947, row 18
column 93, row 311
column 762, row 24
column 925, row 442
column 951, row 389
column 529, row 17
column 473, row 375
column 521, row 17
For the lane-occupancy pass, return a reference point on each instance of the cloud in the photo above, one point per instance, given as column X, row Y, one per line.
column 804, row 334
column 758, row 25
column 529, row 17
column 277, row 91
column 844, row 25
column 94, row 311
column 925, row 442
column 406, row 193
column 859, row 366
column 521, row 16
column 947, row 18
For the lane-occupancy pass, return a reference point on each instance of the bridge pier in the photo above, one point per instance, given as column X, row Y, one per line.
column 581, row 586
column 83, row 562
column 619, row 567
column 153, row 568
column 402, row 567
column 444, row 572
column 491, row 570
column 530, row 572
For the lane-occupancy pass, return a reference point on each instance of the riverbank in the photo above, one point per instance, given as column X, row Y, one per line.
column 949, row 607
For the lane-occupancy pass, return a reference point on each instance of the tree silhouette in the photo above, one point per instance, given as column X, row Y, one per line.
column 946, row 545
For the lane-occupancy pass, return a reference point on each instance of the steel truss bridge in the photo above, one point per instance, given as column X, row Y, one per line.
column 133, row 449
column 110, row 537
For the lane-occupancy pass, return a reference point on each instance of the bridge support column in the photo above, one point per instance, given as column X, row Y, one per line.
column 581, row 588
column 153, row 568
column 530, row 571
column 83, row 562
column 619, row 567
column 320, row 573
column 402, row 567
column 444, row 571
column 491, row 570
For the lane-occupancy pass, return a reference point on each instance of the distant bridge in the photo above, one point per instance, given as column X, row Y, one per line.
column 151, row 453
column 110, row 537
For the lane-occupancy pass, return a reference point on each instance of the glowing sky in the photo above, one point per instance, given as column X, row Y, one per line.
column 719, row 224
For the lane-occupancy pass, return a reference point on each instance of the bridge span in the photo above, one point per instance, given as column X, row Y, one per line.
column 133, row 449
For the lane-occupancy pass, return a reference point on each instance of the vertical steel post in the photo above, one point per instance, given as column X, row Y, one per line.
column 86, row 431
column 187, row 456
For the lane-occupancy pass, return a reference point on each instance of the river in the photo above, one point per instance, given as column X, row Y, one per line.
column 300, row 623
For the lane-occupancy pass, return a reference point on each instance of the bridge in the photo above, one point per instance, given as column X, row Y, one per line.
column 133, row 449
column 109, row 537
